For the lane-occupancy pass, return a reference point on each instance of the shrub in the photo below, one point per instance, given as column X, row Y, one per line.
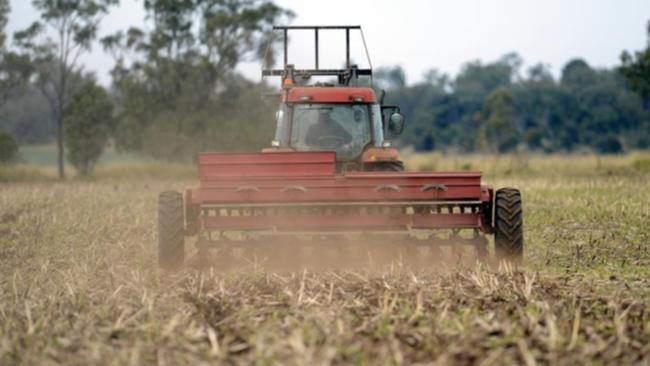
column 87, row 127
column 8, row 148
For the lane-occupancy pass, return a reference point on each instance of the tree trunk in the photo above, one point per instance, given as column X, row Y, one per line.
column 59, row 146
column 59, row 126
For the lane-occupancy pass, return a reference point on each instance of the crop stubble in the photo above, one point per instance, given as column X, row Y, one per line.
column 79, row 285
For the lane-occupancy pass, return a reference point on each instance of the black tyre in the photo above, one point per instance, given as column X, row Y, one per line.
column 508, row 225
column 171, row 236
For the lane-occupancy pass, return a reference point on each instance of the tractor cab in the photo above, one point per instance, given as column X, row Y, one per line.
column 341, row 117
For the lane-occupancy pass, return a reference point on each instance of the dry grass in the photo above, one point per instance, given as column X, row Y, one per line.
column 79, row 285
column 530, row 164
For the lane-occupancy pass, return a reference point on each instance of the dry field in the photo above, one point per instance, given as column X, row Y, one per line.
column 79, row 282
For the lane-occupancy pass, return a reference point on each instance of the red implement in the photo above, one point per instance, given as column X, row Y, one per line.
column 302, row 191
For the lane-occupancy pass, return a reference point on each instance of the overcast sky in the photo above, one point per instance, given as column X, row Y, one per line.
column 441, row 34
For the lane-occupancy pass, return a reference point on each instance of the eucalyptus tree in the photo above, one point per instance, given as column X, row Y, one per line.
column 173, row 75
column 65, row 31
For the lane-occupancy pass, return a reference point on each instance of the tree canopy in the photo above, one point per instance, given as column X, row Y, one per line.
column 177, row 83
column 493, row 107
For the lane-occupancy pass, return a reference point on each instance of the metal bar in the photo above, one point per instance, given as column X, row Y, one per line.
column 253, row 239
column 316, row 43
column 418, row 179
column 307, row 233
column 286, row 47
column 315, row 72
column 350, row 233
column 336, row 194
column 279, row 27
column 365, row 47
column 347, row 48
column 354, row 222
column 337, row 204
column 345, row 232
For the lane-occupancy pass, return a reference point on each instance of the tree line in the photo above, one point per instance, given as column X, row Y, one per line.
column 496, row 107
column 175, row 89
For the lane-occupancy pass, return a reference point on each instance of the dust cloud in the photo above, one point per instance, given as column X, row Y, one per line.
column 368, row 253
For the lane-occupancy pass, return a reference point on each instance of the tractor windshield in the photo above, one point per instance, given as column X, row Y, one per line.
column 343, row 128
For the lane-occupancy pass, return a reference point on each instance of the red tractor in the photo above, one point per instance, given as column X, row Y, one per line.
column 330, row 174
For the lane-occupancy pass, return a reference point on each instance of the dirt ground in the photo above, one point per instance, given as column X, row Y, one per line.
column 79, row 284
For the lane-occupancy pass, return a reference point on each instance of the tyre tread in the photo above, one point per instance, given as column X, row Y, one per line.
column 508, row 223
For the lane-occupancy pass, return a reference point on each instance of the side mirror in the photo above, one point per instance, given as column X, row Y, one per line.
column 396, row 123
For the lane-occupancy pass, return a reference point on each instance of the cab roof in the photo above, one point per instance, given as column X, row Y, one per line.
column 330, row 95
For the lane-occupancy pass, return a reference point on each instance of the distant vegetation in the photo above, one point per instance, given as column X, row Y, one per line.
column 8, row 148
column 495, row 107
column 176, row 90
column 175, row 87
